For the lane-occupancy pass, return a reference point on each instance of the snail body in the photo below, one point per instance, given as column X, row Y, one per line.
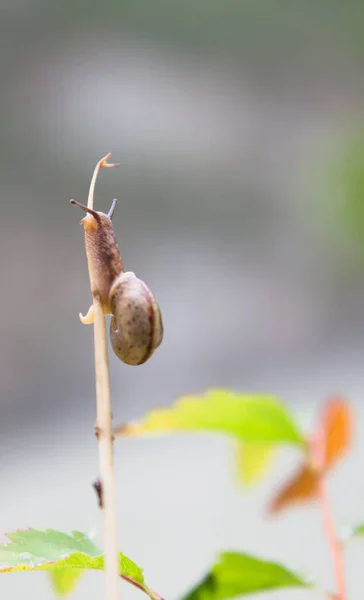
column 136, row 327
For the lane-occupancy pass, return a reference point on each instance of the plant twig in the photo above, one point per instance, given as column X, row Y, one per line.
column 141, row 586
column 104, row 425
column 97, row 485
column 318, row 452
column 106, row 457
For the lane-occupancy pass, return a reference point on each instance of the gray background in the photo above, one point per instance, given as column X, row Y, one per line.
column 241, row 207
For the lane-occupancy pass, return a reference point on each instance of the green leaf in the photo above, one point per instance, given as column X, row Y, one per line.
column 237, row 574
column 253, row 461
column 246, row 417
column 357, row 531
column 65, row 556
column 64, row 580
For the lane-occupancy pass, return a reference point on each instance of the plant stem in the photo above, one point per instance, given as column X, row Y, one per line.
column 104, row 427
column 141, row 586
column 335, row 544
column 318, row 449
column 106, row 457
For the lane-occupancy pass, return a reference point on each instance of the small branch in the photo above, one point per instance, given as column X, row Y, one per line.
column 106, row 457
column 107, row 498
column 318, row 451
column 97, row 485
column 141, row 586
column 335, row 544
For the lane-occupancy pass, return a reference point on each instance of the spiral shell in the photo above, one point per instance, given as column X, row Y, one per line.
column 136, row 327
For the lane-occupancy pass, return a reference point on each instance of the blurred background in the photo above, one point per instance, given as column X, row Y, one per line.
column 239, row 128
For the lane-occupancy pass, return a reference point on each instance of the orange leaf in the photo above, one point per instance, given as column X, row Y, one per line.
column 336, row 428
column 336, row 422
column 301, row 488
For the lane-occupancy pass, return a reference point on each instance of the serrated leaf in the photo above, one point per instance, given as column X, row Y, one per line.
column 64, row 580
column 50, row 550
column 253, row 461
column 236, row 574
column 246, row 417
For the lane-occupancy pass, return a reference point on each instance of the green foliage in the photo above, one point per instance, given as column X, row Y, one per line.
column 64, row 580
column 358, row 531
column 253, row 461
column 259, row 425
column 246, row 417
column 237, row 574
column 64, row 556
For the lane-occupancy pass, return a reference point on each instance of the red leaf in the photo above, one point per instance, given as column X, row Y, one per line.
column 336, row 422
column 301, row 488
column 336, row 428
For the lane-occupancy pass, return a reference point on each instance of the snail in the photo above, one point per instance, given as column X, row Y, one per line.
column 136, row 327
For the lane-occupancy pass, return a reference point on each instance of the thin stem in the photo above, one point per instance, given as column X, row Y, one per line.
column 335, row 544
column 106, row 457
column 318, row 449
column 141, row 586
column 104, row 426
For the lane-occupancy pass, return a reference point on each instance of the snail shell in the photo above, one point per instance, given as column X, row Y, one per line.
column 136, row 327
